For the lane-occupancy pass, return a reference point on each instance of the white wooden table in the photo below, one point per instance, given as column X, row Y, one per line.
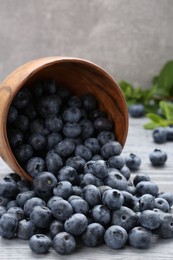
column 140, row 142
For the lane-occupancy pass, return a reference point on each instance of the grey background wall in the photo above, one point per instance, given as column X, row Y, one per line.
column 131, row 39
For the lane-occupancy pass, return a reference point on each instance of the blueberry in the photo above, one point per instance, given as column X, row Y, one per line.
column 23, row 197
column 140, row 177
column 116, row 180
column 169, row 135
column 166, row 228
column 103, row 188
column 98, row 168
column 140, row 237
column 52, row 200
column 4, row 201
column 26, row 229
column 146, row 201
column 93, row 145
column 2, row 210
column 37, row 141
column 149, row 219
column 64, row 243
column 101, row 214
column 93, row 235
column 137, row 110
column 89, row 178
column 37, row 89
column 96, row 113
column 40, row 244
column 110, row 149
column 71, row 130
column 83, row 151
column 8, row 188
column 77, row 190
column 145, row 187
column 76, row 162
column 76, row 224
column 71, row 115
column 159, row 135
column 116, row 162
column 15, row 137
column 44, row 183
column 92, row 195
column 30, row 111
column 79, row 205
column 22, row 123
column 130, row 201
column 49, row 86
column 14, row 176
column 89, row 102
column 158, row 157
column 63, row 189
column 87, row 128
column 56, row 226
column 61, row 209
column 133, row 162
column 54, row 123
column 31, row 203
column 11, row 204
column 17, row 211
column 68, row 173
column 65, row 148
column 125, row 171
column 35, row 165
column 12, row 115
column 49, row 105
column 53, row 139
column 41, row 216
column 162, row 204
column 97, row 157
column 113, row 199
column 168, row 196
column 105, row 136
column 22, row 98
column 38, row 126
column 8, row 225
column 24, row 185
column 75, row 101
column 23, row 152
column 103, row 124
column 115, row 237
column 53, row 162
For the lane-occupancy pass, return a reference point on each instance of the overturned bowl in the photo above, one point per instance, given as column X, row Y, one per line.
column 81, row 77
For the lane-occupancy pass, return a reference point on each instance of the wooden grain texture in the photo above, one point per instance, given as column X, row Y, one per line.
column 140, row 142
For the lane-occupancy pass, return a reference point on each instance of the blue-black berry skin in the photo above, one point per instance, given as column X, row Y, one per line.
column 12, row 115
column 2, row 211
column 56, row 226
column 168, row 196
column 71, row 130
column 40, row 244
column 158, row 157
column 115, row 237
column 110, row 149
column 149, row 219
column 93, row 235
column 31, row 203
column 125, row 171
column 38, row 126
column 26, row 229
column 8, row 188
column 54, row 162
column 75, row 101
column 63, row 189
column 79, row 205
column 14, row 176
column 54, row 123
column 24, row 196
column 37, row 141
column 35, row 165
column 162, row 204
column 92, row 195
column 65, row 148
column 103, row 124
column 93, row 145
column 21, row 99
column 116, row 180
column 22, row 123
column 53, row 139
column 133, row 162
column 140, row 237
column 49, row 105
column 23, row 152
column 24, row 185
column 140, row 177
column 159, row 135
column 76, row 224
column 137, row 110
column 104, row 137
column 11, row 204
column 41, row 216
column 89, row 178
column 145, row 187
column 71, row 115
column 101, row 214
column 146, row 201
column 113, row 199
column 83, row 151
column 87, row 128
column 68, row 173
column 98, row 168
column 116, row 162
column 17, row 211
column 64, row 243
column 8, row 225
column 166, row 227
column 89, row 102
column 61, row 209
column 15, row 137
column 169, row 130
column 76, row 162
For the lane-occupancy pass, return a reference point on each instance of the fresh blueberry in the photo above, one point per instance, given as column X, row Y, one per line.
column 40, row 244
column 15, row 137
column 89, row 102
column 79, row 205
column 158, row 157
column 37, row 89
column 2, row 210
column 149, row 219
column 110, row 149
column 92, row 195
column 83, row 151
column 140, row 237
column 137, row 110
column 93, row 235
column 38, row 126
column 49, row 105
column 68, row 173
column 14, row 176
column 76, row 224
column 53, row 162
column 168, row 196
column 145, row 187
column 89, row 178
column 11, row 204
column 63, row 189
column 133, row 162
column 71, row 130
column 169, row 135
column 159, row 135
column 54, row 123
column 87, row 128
column 61, row 209
column 105, row 136
column 103, row 188
column 116, row 162
column 49, row 86
column 71, row 115
column 93, row 145
column 4, row 201
column 30, row 111
column 31, row 203
column 17, row 211
column 113, row 199
column 75, row 101
column 130, row 201
column 37, row 141
column 101, row 214
column 24, row 185
column 8, row 225
column 124, row 217
column 22, row 123
column 146, row 201
column 44, row 183
column 125, row 171
column 166, row 228
column 53, row 139
column 98, row 168
column 115, row 237
column 22, row 98
column 65, row 148
column 162, row 204
column 8, row 188
column 23, row 152
column 116, row 180
column 97, row 157
column 24, row 196
column 76, row 162
column 77, row 190
column 103, row 124
column 56, row 226
column 12, row 115
column 41, row 216
column 140, row 177
column 35, row 165
column 26, row 229
column 64, row 243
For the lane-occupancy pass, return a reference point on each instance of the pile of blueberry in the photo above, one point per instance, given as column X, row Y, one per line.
column 81, row 186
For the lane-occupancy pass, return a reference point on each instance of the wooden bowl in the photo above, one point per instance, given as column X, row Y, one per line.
column 80, row 76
